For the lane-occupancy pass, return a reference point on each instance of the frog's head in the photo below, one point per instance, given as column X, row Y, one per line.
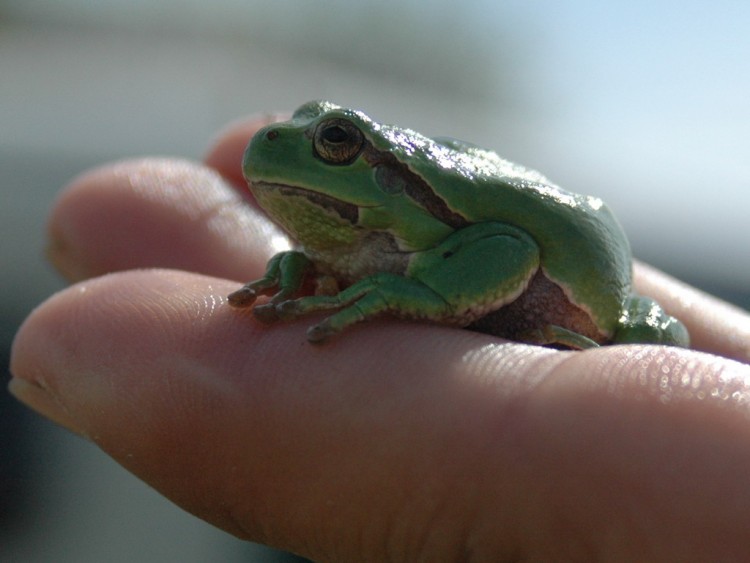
column 330, row 175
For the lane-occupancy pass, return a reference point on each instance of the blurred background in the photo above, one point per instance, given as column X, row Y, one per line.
column 645, row 104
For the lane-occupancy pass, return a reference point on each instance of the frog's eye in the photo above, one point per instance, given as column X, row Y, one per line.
column 337, row 141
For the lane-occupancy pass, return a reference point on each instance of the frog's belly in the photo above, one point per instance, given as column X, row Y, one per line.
column 374, row 253
column 542, row 304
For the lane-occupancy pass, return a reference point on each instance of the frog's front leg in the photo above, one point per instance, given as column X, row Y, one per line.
column 474, row 270
column 285, row 271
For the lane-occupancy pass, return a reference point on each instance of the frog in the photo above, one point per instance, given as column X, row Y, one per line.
column 392, row 223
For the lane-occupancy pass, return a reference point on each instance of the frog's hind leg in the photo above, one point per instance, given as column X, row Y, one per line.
column 379, row 294
column 644, row 321
column 553, row 335
column 473, row 271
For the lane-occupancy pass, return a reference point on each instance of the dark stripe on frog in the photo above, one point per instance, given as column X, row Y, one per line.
column 347, row 211
column 392, row 175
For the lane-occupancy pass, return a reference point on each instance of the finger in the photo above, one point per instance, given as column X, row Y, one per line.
column 227, row 418
column 448, row 444
column 157, row 212
column 714, row 325
column 225, row 153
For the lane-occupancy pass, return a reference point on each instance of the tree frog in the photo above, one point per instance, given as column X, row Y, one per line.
column 391, row 222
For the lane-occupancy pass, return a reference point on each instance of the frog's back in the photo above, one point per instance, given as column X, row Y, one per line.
column 582, row 246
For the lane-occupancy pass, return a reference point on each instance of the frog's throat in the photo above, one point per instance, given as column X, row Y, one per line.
column 347, row 211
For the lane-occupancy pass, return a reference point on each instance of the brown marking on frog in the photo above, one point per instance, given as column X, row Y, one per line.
column 543, row 303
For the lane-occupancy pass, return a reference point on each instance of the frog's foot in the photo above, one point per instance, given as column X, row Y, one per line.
column 285, row 270
column 379, row 294
column 273, row 310
column 266, row 313
column 321, row 332
column 243, row 297
column 293, row 308
column 553, row 335
column 248, row 293
column 644, row 321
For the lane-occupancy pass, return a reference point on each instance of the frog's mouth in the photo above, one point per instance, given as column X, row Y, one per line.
column 347, row 211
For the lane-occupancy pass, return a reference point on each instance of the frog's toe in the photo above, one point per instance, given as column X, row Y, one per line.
column 266, row 313
column 288, row 310
column 243, row 297
column 320, row 332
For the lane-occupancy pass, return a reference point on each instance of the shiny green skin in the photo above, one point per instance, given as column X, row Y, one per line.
column 486, row 207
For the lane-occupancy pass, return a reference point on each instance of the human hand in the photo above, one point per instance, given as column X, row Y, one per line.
column 396, row 441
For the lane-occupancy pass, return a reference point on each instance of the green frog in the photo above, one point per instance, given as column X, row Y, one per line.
column 391, row 222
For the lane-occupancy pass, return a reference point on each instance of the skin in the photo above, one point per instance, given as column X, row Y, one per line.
column 403, row 442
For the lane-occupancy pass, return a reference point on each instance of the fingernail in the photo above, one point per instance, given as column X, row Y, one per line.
column 40, row 400
column 60, row 254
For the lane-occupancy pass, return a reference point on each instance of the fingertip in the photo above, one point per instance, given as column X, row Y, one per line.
column 85, row 348
column 155, row 212
column 35, row 360
column 39, row 399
